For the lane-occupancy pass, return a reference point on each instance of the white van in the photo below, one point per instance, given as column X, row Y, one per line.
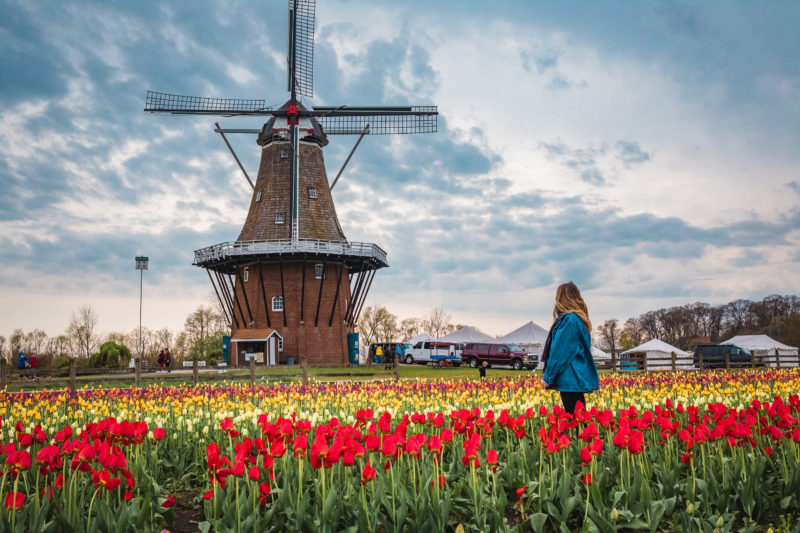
column 425, row 352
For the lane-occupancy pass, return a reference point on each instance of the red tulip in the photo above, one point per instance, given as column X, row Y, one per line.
column 15, row 500
column 169, row 502
column 367, row 474
column 159, row 433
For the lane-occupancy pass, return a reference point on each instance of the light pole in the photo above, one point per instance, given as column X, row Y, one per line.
column 141, row 266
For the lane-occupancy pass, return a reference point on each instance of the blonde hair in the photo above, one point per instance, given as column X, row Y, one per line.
column 569, row 300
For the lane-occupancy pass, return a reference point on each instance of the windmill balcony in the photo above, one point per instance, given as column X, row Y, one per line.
column 226, row 255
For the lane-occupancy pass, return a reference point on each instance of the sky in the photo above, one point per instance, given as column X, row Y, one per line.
column 647, row 151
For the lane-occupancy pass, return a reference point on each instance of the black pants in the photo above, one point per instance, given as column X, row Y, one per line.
column 569, row 399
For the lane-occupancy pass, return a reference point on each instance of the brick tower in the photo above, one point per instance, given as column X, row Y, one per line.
column 292, row 286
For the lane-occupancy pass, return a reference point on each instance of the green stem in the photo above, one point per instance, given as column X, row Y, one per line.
column 89, row 514
column 14, row 498
column 394, row 508
column 366, row 510
column 238, row 509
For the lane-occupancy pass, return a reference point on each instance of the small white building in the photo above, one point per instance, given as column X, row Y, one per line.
column 763, row 345
column 658, row 355
column 530, row 337
column 467, row 334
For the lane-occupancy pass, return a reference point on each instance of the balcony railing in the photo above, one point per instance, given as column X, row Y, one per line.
column 227, row 250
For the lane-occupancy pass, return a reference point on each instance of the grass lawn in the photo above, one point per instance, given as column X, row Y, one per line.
column 272, row 375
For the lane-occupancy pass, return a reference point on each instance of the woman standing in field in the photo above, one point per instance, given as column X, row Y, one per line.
column 568, row 363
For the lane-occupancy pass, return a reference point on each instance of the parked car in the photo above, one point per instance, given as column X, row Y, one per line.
column 475, row 353
column 714, row 356
column 433, row 351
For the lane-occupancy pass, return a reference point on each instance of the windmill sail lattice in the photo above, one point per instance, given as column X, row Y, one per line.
column 292, row 285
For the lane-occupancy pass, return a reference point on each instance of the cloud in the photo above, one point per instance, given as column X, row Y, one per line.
column 527, row 183
column 631, row 152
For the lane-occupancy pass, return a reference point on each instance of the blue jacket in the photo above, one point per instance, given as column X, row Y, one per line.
column 570, row 365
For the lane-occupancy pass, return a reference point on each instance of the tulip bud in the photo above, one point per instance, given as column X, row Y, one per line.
column 720, row 522
column 770, row 530
column 690, row 508
column 614, row 514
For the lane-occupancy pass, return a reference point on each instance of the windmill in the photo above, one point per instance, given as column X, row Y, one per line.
column 292, row 286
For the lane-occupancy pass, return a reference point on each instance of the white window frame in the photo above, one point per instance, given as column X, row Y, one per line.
column 280, row 218
column 312, row 193
column 246, row 274
column 280, row 343
column 284, row 153
column 277, row 303
column 258, row 196
column 319, row 271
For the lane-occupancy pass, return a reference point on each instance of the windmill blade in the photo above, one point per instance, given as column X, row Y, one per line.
column 346, row 120
column 197, row 105
column 301, row 46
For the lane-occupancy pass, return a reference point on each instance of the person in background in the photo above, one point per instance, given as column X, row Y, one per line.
column 167, row 359
column 22, row 361
column 568, row 364
column 399, row 352
column 482, row 370
column 161, row 359
column 34, row 363
column 378, row 354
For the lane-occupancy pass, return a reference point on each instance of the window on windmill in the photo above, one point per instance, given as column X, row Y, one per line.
column 319, row 271
column 280, row 344
column 246, row 274
column 284, row 153
column 258, row 196
column 277, row 303
column 312, row 192
column 279, row 217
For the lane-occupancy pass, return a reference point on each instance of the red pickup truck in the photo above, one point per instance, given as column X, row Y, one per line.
column 476, row 353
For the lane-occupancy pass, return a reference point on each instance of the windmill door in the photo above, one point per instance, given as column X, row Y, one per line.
column 272, row 350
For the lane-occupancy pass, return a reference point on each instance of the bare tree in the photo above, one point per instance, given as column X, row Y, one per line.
column 16, row 341
column 609, row 333
column 438, row 322
column 164, row 336
column 81, row 331
column 58, row 346
column 2, row 346
column 737, row 316
column 118, row 337
column 410, row 328
column 202, row 323
column 633, row 328
column 377, row 324
column 36, row 340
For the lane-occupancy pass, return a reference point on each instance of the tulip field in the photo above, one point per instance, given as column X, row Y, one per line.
column 695, row 451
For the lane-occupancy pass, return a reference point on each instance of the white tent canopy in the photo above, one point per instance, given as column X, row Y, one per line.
column 467, row 334
column 597, row 353
column 659, row 349
column 763, row 345
column 422, row 337
column 530, row 335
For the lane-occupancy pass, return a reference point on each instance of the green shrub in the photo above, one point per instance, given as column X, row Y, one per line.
column 61, row 362
column 95, row 360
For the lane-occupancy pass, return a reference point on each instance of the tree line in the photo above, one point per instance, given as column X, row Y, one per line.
column 378, row 324
column 201, row 338
column 686, row 326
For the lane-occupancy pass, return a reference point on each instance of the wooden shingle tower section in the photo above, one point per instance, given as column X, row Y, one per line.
column 291, row 285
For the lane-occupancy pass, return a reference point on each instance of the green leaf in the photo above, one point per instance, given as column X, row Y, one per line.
column 204, row 527
column 785, row 502
column 538, row 521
